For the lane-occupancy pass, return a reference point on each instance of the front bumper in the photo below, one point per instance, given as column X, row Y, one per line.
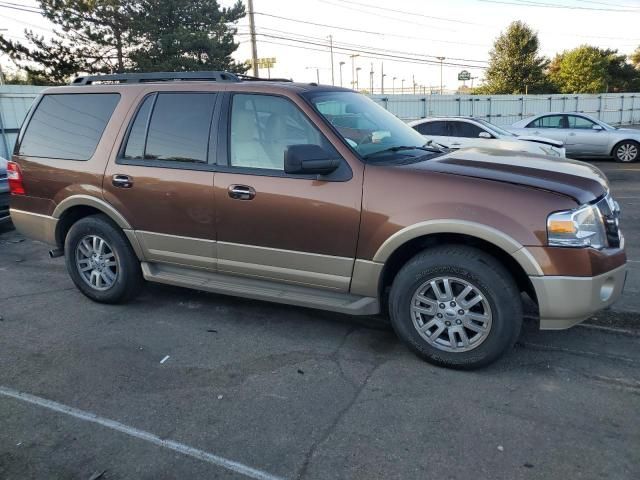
column 566, row 301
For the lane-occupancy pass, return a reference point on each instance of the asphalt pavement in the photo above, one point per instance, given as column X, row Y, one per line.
column 181, row 384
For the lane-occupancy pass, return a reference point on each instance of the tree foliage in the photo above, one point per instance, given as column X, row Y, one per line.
column 515, row 63
column 102, row 36
column 181, row 35
column 589, row 69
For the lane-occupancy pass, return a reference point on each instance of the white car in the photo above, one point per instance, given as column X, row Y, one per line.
column 463, row 132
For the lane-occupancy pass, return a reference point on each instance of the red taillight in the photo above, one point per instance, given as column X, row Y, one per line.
column 14, row 175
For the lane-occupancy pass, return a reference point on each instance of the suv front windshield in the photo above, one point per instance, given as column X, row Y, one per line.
column 367, row 127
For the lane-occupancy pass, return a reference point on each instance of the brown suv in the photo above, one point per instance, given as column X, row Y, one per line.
column 315, row 196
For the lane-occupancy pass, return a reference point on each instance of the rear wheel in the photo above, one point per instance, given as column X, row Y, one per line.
column 456, row 306
column 100, row 260
column 627, row 151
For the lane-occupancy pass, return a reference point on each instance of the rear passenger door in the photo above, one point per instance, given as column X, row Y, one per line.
column 162, row 178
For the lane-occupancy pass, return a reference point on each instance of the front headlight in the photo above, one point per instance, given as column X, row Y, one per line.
column 550, row 151
column 582, row 227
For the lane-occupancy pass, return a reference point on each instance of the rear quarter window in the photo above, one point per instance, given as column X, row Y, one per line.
column 67, row 126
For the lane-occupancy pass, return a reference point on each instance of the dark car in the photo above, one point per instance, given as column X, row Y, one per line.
column 311, row 195
column 4, row 192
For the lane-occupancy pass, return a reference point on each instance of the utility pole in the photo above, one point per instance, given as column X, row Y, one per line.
column 331, row 50
column 413, row 80
column 358, row 78
column 254, row 47
column 393, row 85
column 341, row 65
column 382, row 75
column 402, row 87
column 441, row 60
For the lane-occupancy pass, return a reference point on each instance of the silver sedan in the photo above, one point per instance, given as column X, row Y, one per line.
column 583, row 136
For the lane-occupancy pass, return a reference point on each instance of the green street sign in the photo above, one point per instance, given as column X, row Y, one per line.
column 464, row 75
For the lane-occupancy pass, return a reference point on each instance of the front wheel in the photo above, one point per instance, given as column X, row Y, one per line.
column 100, row 260
column 456, row 306
column 627, row 151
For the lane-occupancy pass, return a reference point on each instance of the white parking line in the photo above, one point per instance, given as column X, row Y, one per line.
column 141, row 434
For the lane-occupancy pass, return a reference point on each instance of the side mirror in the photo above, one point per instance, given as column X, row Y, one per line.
column 597, row 127
column 484, row 135
column 309, row 160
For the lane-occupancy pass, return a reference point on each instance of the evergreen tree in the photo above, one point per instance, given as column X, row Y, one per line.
column 515, row 63
column 183, row 35
column 103, row 36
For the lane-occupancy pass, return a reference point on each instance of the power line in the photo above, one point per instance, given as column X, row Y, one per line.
column 360, row 46
column 530, row 3
column 369, row 32
column 21, row 8
column 366, row 53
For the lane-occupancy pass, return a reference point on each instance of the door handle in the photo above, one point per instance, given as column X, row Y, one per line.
column 241, row 192
column 122, row 181
column 455, row 144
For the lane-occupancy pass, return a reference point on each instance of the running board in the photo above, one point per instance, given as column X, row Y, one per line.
column 260, row 289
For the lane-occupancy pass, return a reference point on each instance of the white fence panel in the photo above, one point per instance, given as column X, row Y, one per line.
column 614, row 108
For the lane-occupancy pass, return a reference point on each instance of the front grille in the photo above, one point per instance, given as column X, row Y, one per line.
column 610, row 211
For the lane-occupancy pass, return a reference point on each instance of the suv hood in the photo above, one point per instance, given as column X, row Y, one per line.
column 578, row 180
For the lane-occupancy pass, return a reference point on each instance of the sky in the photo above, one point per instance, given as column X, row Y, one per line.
column 404, row 37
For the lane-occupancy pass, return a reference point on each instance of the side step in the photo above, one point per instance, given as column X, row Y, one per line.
column 260, row 289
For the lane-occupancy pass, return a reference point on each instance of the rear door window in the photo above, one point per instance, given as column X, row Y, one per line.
column 436, row 128
column 171, row 127
column 550, row 121
column 465, row 129
column 68, row 126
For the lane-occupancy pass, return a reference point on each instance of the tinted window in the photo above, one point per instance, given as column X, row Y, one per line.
column 263, row 126
column 464, row 129
column 579, row 122
column 138, row 132
column 432, row 128
column 550, row 121
column 179, row 127
column 68, row 126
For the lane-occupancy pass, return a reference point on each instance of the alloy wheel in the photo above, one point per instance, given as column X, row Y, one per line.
column 451, row 314
column 96, row 262
column 627, row 152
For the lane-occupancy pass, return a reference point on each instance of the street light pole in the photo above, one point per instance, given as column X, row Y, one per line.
column 371, row 79
column 331, row 50
column 353, row 69
column 402, row 87
column 441, row 60
column 341, row 65
column 393, row 85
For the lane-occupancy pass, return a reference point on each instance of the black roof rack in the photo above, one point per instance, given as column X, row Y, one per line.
column 211, row 76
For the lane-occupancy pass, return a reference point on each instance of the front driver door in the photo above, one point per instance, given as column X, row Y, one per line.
column 270, row 225
column 583, row 139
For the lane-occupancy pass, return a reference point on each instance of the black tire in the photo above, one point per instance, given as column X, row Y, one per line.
column 619, row 151
column 129, row 276
column 480, row 270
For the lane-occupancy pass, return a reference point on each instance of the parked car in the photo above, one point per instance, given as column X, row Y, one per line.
column 583, row 136
column 315, row 196
column 4, row 192
column 463, row 132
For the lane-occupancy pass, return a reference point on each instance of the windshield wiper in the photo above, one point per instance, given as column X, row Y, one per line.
column 427, row 147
